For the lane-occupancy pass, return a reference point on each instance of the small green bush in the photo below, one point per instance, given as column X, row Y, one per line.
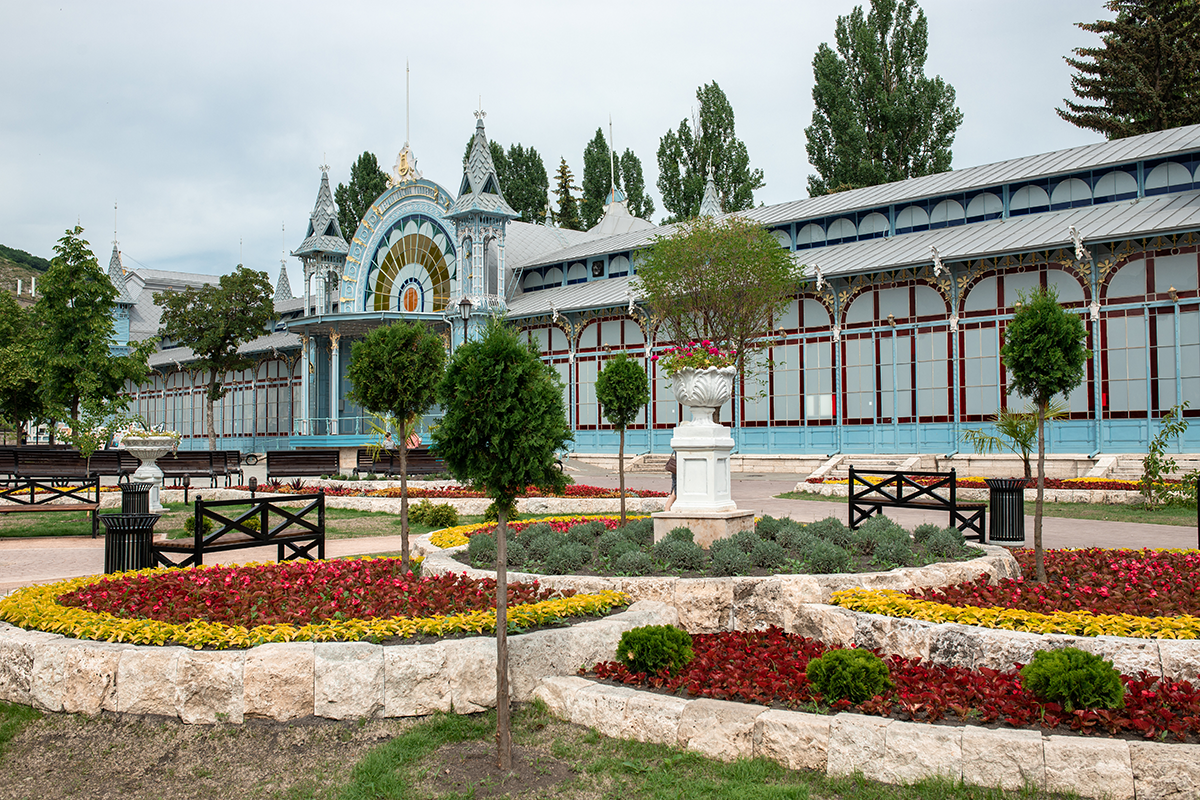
column 849, row 674
column 442, row 515
column 541, row 544
column 726, row 561
column 892, row 553
column 622, row 547
column 874, row 532
column 189, row 526
column 634, row 562
column 568, row 558
column 654, row 649
column 833, row 530
column 640, row 531
column 1074, row 679
column 922, row 532
column 826, row 558
column 680, row 534
column 768, row 554
column 946, row 543
column 795, row 537
column 746, row 541
column 768, row 527
column 481, row 551
column 608, row 541
column 491, row 513
column 515, row 554
column 419, row 512
column 587, row 532
column 371, row 476
column 683, row 555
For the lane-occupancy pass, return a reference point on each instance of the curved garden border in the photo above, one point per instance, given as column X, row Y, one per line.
column 290, row 680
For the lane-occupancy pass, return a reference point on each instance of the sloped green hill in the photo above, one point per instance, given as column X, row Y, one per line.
column 18, row 265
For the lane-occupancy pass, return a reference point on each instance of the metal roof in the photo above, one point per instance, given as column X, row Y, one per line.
column 322, row 220
column 480, row 192
column 579, row 296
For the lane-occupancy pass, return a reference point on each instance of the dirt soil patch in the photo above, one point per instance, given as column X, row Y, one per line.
column 471, row 769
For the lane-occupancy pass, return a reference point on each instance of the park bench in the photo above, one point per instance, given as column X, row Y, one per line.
column 296, row 531
column 57, row 465
column 420, row 461
column 191, row 464
column 302, row 464
column 116, row 463
column 870, row 492
column 34, row 495
column 228, row 463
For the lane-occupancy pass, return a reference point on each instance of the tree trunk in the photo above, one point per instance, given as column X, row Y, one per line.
column 210, row 422
column 1039, row 556
column 621, row 473
column 404, row 563
column 503, row 723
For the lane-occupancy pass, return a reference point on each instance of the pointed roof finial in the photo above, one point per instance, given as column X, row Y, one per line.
column 480, row 190
column 116, row 275
column 710, row 205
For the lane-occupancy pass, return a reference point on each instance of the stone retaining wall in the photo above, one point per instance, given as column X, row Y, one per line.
column 336, row 680
column 709, row 605
column 891, row 751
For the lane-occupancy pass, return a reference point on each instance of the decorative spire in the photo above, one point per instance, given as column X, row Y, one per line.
column 549, row 220
column 116, row 274
column 479, row 191
column 710, row 206
column 324, row 234
column 283, row 289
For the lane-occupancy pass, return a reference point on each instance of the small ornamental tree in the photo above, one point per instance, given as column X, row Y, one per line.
column 215, row 320
column 1044, row 354
column 394, row 370
column 623, row 391
column 503, row 426
column 20, row 371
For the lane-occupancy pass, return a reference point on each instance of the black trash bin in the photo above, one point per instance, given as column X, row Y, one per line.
column 1007, row 521
column 135, row 498
column 127, row 541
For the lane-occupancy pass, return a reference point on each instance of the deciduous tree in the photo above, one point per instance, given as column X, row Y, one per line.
column 394, row 370
column 878, row 118
column 684, row 156
column 216, row 320
column 527, row 188
column 1044, row 354
column 504, row 425
column 640, row 204
column 1144, row 76
column 367, row 182
column 20, row 366
column 623, row 391
column 597, row 180
column 568, row 210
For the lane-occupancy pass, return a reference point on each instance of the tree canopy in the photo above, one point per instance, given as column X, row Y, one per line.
column 20, row 366
column 684, row 156
column 623, row 392
column 639, row 203
column 394, row 371
column 877, row 117
column 214, row 321
column 718, row 280
column 597, row 180
column 73, row 322
column 1144, row 76
column 527, row 186
column 1044, row 355
column 568, row 209
column 367, row 182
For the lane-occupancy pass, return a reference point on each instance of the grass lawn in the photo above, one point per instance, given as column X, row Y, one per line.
column 1170, row 515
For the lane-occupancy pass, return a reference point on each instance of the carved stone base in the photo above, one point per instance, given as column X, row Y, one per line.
column 707, row 526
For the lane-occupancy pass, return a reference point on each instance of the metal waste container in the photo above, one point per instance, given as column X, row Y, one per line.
column 1007, row 507
column 127, row 541
column 135, row 498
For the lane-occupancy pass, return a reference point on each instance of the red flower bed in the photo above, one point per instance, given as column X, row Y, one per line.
column 450, row 492
column 295, row 592
column 1147, row 583
column 767, row 667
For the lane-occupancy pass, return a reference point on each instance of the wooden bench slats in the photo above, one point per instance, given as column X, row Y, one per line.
column 419, row 460
column 302, row 463
column 902, row 490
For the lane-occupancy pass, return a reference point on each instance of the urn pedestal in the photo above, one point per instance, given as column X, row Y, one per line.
column 149, row 449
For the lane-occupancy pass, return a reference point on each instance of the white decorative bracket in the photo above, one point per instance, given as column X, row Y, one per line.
column 837, row 333
column 1094, row 308
column 821, row 282
column 954, row 323
column 937, row 260
column 1081, row 252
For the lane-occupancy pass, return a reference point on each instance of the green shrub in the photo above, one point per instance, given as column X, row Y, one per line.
column 535, row 530
column 481, row 551
column 849, row 674
column 587, row 532
column 833, row 530
column 189, row 526
column 921, row 533
column 608, row 541
column 640, row 531
column 726, row 561
column 622, row 547
column 768, row 554
column 515, row 554
column 874, row 532
column 568, row 558
column 680, row 534
column 653, row 649
column 795, row 537
column 826, row 558
column 768, row 527
column 491, row 513
column 634, row 562
column 442, row 515
column 746, row 541
column 946, row 543
column 679, row 554
column 1074, row 679
column 542, row 544
column 419, row 512
column 893, row 553
column 371, row 476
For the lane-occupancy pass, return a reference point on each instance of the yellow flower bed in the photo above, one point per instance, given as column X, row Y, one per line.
column 37, row 607
column 453, row 537
column 1078, row 623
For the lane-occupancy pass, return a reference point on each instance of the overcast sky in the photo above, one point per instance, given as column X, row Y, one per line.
column 207, row 122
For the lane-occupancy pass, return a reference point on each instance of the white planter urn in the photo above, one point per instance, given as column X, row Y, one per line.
column 703, row 391
column 149, row 449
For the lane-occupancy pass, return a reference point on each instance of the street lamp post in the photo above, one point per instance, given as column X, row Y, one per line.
column 464, row 311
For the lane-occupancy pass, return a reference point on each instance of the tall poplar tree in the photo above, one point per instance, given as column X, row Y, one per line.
column 367, row 182
column 684, row 156
column 528, row 187
column 1144, row 76
column 878, row 118
column 597, row 180
column 638, row 202
column 568, row 211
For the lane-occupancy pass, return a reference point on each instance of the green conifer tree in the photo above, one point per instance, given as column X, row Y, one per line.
column 367, row 182
column 568, row 211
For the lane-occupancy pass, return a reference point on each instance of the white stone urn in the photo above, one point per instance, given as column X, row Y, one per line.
column 703, row 391
column 149, row 449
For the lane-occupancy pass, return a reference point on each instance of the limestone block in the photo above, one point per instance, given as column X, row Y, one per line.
column 797, row 590
column 1180, row 659
column 661, row 589
column 17, row 649
column 792, row 739
column 558, row 693
column 471, row 664
column 1090, row 767
column 758, row 604
column 75, row 676
column 857, row 743
column 277, row 681
column 651, row 612
column 209, row 687
column 829, row 624
column 957, row 645
column 415, row 681
column 1001, row 649
column 916, row 750
column 1165, row 771
column 1129, row 656
column 719, row 729
column 601, row 707
column 1009, row 759
column 911, row 638
column 146, row 678
column 347, row 680
column 705, row 604
column 651, row 717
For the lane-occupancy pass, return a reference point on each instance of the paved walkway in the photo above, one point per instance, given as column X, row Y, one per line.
column 26, row 561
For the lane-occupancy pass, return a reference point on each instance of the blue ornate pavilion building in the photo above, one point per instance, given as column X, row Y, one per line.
column 891, row 346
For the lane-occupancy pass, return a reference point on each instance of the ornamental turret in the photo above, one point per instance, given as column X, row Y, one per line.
column 323, row 251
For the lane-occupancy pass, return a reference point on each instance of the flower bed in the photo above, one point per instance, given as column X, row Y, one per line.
column 460, row 535
column 224, row 607
column 1092, row 592
column 449, row 492
column 768, row 667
